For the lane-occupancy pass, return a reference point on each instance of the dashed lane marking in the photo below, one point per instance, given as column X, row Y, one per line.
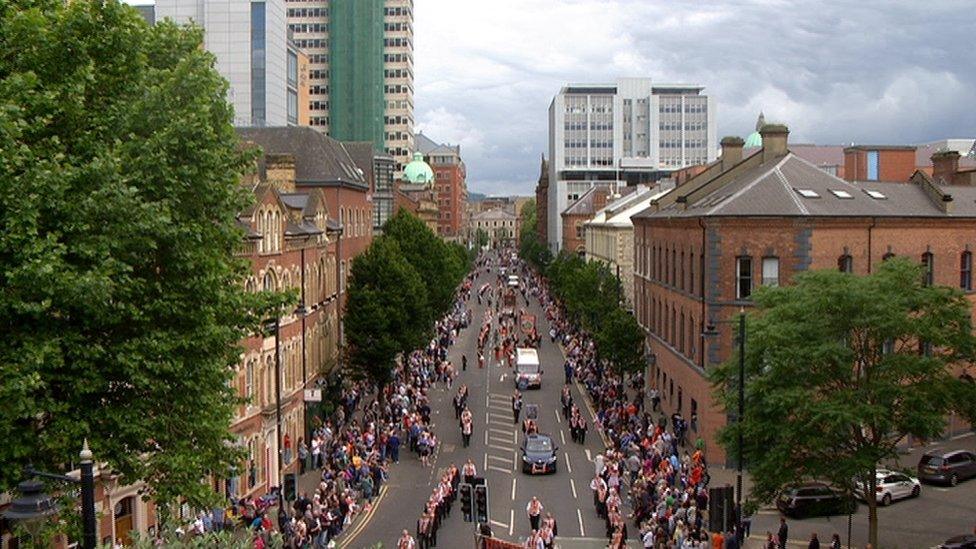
column 511, row 521
column 572, row 485
column 559, row 418
column 588, row 456
column 562, row 436
column 514, row 482
column 569, row 466
column 579, row 516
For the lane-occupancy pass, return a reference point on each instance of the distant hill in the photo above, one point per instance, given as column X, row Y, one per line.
column 476, row 197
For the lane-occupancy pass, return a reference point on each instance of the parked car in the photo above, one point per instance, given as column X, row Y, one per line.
column 813, row 499
column 947, row 467
column 891, row 486
column 539, row 455
column 965, row 541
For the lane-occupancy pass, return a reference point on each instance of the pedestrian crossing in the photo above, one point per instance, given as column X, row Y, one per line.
column 501, row 436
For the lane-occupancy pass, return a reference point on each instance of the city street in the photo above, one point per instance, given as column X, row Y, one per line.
column 494, row 449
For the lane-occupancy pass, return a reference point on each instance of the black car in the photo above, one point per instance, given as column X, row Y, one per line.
column 813, row 499
column 947, row 467
column 539, row 455
column 965, row 541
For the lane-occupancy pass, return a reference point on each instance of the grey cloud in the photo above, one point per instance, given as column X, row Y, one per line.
column 836, row 72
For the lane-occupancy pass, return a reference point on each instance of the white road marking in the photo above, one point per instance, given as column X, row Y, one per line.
column 501, row 378
column 569, row 466
column 559, row 418
column 500, row 458
column 579, row 516
column 487, row 417
column 562, row 435
column 486, row 438
column 496, row 523
column 505, row 432
column 499, row 469
column 572, row 484
column 514, row 481
column 511, row 520
column 485, row 466
column 588, row 456
column 502, row 448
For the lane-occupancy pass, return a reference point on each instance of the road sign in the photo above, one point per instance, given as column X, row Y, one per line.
column 313, row 395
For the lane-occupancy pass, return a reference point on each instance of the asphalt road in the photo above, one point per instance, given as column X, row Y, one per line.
column 494, row 449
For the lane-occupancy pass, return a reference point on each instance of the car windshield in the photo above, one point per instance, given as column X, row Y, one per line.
column 536, row 445
column 528, row 368
column 932, row 460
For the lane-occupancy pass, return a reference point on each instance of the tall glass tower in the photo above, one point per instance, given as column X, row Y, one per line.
column 356, row 79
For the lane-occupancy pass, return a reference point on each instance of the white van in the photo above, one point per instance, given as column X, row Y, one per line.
column 528, row 371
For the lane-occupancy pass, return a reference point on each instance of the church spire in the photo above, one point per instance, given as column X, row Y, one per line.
column 761, row 121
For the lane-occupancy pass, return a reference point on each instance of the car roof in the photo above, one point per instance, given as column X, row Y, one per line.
column 538, row 436
column 946, row 454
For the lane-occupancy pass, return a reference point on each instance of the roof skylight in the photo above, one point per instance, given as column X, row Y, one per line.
column 875, row 194
column 841, row 194
column 808, row 193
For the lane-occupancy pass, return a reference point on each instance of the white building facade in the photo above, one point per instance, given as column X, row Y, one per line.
column 632, row 131
column 250, row 42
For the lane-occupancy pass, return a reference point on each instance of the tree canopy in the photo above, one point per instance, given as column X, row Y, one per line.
column 440, row 268
column 840, row 368
column 387, row 310
column 123, row 303
column 531, row 247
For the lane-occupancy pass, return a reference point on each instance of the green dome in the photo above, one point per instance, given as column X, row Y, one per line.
column 417, row 171
column 754, row 140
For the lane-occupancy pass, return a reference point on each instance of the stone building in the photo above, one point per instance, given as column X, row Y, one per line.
column 500, row 225
column 701, row 250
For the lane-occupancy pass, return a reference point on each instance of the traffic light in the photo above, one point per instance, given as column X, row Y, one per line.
column 481, row 502
column 466, row 497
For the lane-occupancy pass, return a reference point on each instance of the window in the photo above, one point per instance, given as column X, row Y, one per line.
column 807, row 193
column 292, row 107
column 743, row 275
column 966, row 271
column 841, row 194
column 249, row 382
column 873, row 165
column 258, row 60
column 292, row 68
column 845, row 264
column 770, row 271
column 928, row 262
column 875, row 194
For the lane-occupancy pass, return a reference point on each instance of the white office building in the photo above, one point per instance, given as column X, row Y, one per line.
column 632, row 131
column 250, row 41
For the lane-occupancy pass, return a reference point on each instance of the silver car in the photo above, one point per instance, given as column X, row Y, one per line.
column 891, row 486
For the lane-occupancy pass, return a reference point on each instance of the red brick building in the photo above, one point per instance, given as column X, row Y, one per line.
column 450, row 186
column 701, row 249
column 581, row 211
column 310, row 218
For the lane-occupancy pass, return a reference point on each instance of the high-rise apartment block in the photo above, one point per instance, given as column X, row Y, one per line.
column 360, row 69
column 632, row 131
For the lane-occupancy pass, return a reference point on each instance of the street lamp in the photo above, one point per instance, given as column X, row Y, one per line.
column 34, row 505
column 274, row 327
column 710, row 331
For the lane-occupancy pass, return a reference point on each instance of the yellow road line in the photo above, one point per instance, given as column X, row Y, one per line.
column 361, row 525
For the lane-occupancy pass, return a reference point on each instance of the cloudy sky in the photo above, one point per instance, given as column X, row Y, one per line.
column 835, row 72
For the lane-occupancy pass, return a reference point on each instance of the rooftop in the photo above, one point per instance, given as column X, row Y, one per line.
column 319, row 159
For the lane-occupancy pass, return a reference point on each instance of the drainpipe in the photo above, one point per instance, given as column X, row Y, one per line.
column 701, row 331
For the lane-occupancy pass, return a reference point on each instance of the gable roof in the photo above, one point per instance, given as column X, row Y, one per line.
column 319, row 159
column 362, row 153
column 494, row 213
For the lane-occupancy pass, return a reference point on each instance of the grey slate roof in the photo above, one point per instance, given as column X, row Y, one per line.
column 772, row 189
column 362, row 153
column 319, row 159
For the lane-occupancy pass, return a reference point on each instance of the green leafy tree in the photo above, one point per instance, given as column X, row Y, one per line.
column 123, row 304
column 531, row 247
column 387, row 309
column 840, row 368
column 481, row 238
column 440, row 269
column 620, row 340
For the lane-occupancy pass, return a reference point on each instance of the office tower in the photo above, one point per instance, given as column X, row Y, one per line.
column 357, row 54
column 630, row 132
column 250, row 42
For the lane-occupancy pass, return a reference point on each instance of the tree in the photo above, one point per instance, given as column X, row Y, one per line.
column 840, row 368
column 439, row 268
column 620, row 340
column 123, row 303
column 386, row 310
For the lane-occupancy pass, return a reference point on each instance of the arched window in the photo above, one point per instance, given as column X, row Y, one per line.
column 269, row 281
column 249, row 382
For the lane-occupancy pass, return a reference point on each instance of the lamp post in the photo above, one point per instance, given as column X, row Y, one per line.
column 275, row 326
column 34, row 505
column 709, row 332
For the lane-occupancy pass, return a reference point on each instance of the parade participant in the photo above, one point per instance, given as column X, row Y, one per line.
column 516, row 406
column 469, row 472
column 534, row 511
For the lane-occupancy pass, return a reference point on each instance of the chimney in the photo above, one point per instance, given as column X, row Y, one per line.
column 731, row 151
column 774, row 139
column 280, row 170
column 945, row 164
